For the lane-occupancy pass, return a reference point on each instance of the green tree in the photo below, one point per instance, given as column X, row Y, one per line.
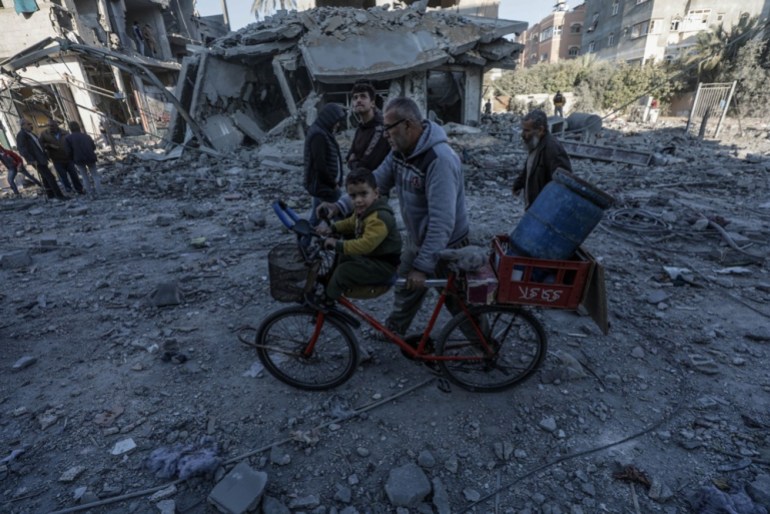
column 716, row 49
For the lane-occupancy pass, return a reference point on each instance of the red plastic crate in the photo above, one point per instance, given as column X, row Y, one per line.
column 554, row 284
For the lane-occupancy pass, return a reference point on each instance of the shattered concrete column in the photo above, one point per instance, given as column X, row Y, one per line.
column 122, row 89
column 141, row 100
column 416, row 88
column 278, row 70
column 184, row 92
column 473, row 89
column 286, row 90
column 395, row 89
column 200, row 80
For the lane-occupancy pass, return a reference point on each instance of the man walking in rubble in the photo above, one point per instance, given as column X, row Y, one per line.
column 369, row 147
column 53, row 142
column 323, row 159
column 544, row 155
column 30, row 148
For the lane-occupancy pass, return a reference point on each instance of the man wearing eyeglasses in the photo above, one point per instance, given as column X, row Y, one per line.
column 427, row 177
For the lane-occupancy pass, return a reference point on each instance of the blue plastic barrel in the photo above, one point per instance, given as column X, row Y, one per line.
column 560, row 218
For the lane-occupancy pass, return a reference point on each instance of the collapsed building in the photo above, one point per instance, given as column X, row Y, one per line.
column 270, row 77
column 82, row 60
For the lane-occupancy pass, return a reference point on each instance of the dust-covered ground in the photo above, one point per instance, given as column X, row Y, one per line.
column 671, row 409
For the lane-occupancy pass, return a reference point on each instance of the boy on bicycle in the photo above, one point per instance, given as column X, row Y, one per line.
column 369, row 253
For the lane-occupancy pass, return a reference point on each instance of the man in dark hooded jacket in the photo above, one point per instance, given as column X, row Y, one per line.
column 323, row 160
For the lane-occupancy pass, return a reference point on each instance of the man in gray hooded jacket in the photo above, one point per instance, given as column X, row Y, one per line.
column 428, row 179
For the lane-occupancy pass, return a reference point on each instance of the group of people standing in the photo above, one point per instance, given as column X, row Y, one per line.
column 426, row 174
column 73, row 155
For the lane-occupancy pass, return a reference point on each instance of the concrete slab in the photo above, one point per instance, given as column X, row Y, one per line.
column 379, row 55
column 239, row 491
column 500, row 49
column 223, row 133
column 263, row 49
column 606, row 153
column 248, row 126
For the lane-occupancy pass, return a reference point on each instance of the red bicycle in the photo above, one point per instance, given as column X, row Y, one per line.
column 482, row 348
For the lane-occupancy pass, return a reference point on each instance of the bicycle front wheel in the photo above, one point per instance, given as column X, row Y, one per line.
column 307, row 349
column 500, row 347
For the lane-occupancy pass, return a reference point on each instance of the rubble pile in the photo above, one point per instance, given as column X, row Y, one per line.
column 122, row 318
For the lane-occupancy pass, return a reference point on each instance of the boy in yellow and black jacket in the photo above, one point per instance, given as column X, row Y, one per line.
column 369, row 253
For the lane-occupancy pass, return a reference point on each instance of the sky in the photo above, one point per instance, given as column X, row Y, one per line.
column 531, row 11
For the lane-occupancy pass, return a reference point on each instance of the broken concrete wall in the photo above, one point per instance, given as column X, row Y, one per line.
column 224, row 82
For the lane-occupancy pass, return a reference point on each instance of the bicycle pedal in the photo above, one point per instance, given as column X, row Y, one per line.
column 443, row 385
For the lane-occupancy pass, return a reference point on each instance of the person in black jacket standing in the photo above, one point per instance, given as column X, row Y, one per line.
column 323, row 160
column 545, row 155
column 30, row 148
column 369, row 147
column 82, row 148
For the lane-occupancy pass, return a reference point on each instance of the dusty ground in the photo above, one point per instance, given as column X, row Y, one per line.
column 676, row 397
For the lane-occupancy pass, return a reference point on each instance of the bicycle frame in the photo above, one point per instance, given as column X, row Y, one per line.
column 420, row 351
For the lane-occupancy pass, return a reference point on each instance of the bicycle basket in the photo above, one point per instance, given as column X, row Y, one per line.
column 288, row 273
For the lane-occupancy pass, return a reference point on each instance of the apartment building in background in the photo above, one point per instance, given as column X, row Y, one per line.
column 556, row 37
column 638, row 31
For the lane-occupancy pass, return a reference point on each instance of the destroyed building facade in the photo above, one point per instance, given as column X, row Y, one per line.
column 272, row 76
column 83, row 60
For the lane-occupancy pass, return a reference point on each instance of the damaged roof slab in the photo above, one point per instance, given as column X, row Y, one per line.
column 380, row 54
column 342, row 44
column 384, row 53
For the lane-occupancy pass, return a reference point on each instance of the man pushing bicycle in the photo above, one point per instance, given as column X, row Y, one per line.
column 428, row 179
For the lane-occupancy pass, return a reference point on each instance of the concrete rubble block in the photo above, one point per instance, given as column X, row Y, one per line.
column 248, row 126
column 166, row 506
column 272, row 505
column 222, row 133
column 759, row 490
column 166, row 294
column 16, row 260
column 441, row 497
column 239, row 491
column 24, row 362
column 407, row 486
column 498, row 50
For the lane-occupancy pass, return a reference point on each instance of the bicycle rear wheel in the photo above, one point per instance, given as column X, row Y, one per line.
column 307, row 349
column 504, row 346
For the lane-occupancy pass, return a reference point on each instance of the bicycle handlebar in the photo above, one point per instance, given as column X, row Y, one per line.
column 287, row 216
